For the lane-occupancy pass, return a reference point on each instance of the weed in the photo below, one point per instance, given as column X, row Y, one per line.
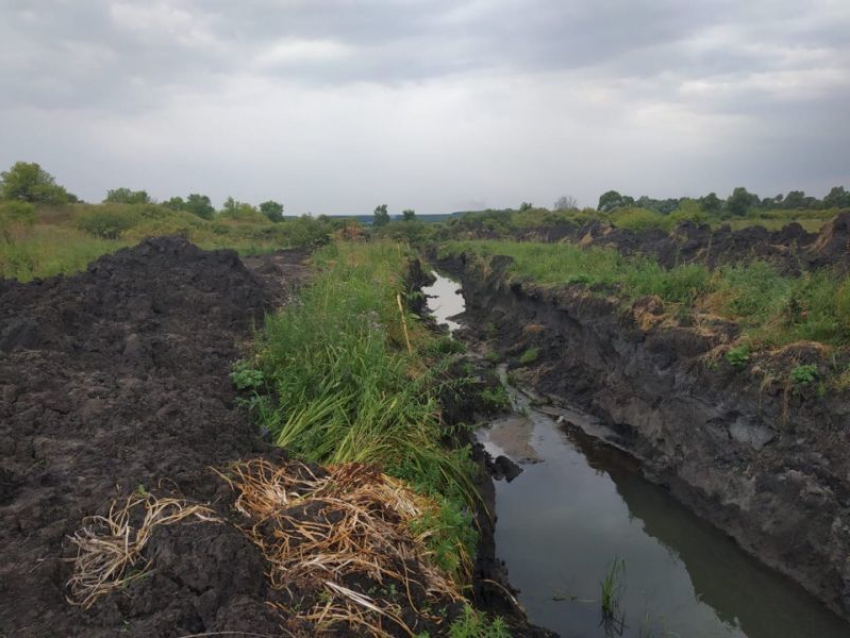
column 612, row 588
column 494, row 357
column 495, row 399
column 805, row 374
column 247, row 378
column 739, row 356
column 529, row 356
column 476, row 625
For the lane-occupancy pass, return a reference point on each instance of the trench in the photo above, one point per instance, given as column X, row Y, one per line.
column 581, row 505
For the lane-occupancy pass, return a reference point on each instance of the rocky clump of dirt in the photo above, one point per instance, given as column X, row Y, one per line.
column 762, row 457
column 113, row 382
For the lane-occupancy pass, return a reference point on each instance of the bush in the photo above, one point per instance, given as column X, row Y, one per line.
column 805, row 374
column 639, row 219
column 739, row 356
column 108, row 222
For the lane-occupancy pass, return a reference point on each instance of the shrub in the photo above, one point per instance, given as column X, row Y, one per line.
column 108, row 222
column 739, row 356
column 805, row 374
column 640, row 219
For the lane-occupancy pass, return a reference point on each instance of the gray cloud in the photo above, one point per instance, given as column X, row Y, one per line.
column 332, row 105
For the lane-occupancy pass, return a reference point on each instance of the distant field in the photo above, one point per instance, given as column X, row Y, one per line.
column 63, row 240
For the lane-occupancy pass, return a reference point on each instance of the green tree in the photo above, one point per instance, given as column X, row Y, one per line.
column 382, row 217
column 175, row 203
column 199, row 205
column 127, row 196
column 273, row 210
column 711, row 203
column 525, row 206
column 838, row 197
column 28, row 182
column 408, row 215
column 610, row 200
column 741, row 200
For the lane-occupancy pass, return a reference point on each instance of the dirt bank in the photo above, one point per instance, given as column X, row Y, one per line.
column 763, row 459
column 790, row 249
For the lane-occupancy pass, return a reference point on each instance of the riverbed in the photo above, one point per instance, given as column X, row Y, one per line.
column 581, row 509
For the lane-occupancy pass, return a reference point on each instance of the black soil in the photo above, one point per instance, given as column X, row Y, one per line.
column 110, row 380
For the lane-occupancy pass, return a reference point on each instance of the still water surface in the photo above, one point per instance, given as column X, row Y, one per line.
column 580, row 504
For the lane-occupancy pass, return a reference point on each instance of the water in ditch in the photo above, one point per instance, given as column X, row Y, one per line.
column 580, row 505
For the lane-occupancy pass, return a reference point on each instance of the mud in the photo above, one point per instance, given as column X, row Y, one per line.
column 762, row 459
column 110, row 380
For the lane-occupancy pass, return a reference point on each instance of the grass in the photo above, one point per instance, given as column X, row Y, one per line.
column 772, row 309
column 612, row 589
column 348, row 389
column 64, row 240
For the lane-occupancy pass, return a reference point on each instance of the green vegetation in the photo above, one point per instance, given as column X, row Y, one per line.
column 529, row 356
column 41, row 241
column 612, row 588
column 28, row 182
column 805, row 374
column 348, row 386
column 495, row 399
column 739, row 356
column 474, row 624
column 772, row 309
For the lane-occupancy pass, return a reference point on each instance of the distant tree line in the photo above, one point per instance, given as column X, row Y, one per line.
column 738, row 203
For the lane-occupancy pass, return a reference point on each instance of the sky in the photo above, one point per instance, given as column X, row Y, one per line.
column 336, row 106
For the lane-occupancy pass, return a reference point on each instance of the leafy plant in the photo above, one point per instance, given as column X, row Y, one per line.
column 805, row 374
column 739, row 356
column 247, row 378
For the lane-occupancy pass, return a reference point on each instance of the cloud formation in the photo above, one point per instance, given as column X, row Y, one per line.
column 334, row 106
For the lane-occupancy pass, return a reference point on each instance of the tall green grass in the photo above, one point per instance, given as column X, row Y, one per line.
column 772, row 309
column 348, row 390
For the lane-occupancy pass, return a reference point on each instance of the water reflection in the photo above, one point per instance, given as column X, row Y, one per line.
column 444, row 301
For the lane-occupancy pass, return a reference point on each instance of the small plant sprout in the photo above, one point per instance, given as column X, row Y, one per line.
column 612, row 590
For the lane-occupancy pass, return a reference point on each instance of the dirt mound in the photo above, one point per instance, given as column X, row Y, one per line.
column 114, row 382
column 791, row 249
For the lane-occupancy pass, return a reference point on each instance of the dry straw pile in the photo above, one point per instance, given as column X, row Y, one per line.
column 342, row 533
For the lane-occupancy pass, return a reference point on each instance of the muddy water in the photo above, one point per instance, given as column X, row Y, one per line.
column 580, row 504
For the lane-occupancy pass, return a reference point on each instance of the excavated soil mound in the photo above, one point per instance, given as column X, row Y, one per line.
column 115, row 382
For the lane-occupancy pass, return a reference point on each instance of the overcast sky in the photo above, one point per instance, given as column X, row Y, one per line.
column 335, row 106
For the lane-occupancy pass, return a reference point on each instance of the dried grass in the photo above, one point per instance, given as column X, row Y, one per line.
column 110, row 548
column 351, row 524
